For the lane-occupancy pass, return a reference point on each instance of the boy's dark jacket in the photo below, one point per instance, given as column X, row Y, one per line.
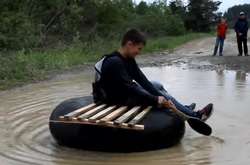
column 123, row 82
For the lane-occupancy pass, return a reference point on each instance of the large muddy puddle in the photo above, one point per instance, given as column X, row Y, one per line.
column 25, row 137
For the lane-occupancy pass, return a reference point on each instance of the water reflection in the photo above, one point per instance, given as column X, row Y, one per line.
column 240, row 75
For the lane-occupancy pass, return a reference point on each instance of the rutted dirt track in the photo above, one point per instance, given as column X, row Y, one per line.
column 198, row 54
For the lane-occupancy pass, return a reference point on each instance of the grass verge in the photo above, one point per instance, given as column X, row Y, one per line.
column 22, row 67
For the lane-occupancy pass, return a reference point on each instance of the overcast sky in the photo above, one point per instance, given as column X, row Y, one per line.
column 223, row 7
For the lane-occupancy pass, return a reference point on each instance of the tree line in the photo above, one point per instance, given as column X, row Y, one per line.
column 232, row 14
column 30, row 24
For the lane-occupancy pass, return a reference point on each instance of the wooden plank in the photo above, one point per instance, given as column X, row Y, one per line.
column 103, row 113
column 78, row 111
column 91, row 112
column 136, row 127
column 128, row 115
column 139, row 117
column 114, row 114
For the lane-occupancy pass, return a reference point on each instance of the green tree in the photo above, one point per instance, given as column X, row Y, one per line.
column 201, row 14
column 158, row 20
column 232, row 13
column 177, row 7
column 16, row 29
column 30, row 24
column 141, row 8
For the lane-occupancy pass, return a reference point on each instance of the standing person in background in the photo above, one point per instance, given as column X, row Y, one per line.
column 221, row 35
column 241, row 29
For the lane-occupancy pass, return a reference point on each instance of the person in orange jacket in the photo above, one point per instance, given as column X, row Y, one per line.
column 221, row 36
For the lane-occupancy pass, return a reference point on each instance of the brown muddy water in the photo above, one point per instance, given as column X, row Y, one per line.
column 25, row 138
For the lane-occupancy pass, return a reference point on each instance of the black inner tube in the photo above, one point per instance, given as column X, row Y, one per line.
column 162, row 129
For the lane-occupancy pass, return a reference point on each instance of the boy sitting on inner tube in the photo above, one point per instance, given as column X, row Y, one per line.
column 119, row 80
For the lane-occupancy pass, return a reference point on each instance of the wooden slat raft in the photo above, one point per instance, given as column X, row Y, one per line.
column 110, row 116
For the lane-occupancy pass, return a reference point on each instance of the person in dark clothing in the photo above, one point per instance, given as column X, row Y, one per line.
column 120, row 81
column 241, row 29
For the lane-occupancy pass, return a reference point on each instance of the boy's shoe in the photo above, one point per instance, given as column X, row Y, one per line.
column 239, row 54
column 206, row 112
column 192, row 106
column 221, row 54
column 246, row 55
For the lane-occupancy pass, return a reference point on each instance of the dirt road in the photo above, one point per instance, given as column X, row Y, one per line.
column 198, row 54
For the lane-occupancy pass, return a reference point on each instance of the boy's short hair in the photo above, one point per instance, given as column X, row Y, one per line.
column 134, row 36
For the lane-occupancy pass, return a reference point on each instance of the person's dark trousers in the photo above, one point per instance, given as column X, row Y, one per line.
column 240, row 41
column 219, row 43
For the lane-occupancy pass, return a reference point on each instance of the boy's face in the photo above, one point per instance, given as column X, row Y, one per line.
column 133, row 49
column 223, row 20
column 242, row 16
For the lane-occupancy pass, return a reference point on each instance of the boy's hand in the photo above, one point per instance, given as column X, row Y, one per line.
column 161, row 100
column 169, row 104
column 165, row 103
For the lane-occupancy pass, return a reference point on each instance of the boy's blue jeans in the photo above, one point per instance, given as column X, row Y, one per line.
column 219, row 43
column 178, row 105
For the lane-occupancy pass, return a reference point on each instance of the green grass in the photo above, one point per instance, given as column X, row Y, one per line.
column 171, row 42
column 22, row 67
